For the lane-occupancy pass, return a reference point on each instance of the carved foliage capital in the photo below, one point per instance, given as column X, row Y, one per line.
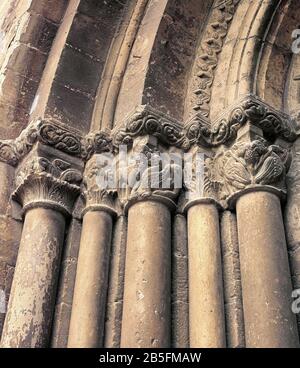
column 44, row 183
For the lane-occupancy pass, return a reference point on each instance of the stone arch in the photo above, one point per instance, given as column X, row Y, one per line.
column 256, row 55
column 163, row 54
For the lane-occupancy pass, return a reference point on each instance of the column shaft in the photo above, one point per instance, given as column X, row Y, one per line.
column 265, row 273
column 206, row 303
column 30, row 309
column 89, row 301
column 147, row 306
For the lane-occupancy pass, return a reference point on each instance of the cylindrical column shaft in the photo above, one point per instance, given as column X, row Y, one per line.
column 30, row 309
column 114, row 308
column 265, row 273
column 232, row 282
column 206, row 303
column 180, row 305
column 146, row 310
column 89, row 301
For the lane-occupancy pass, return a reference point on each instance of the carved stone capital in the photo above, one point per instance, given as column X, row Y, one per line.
column 97, row 197
column 146, row 179
column 251, row 110
column 199, row 184
column 248, row 166
column 12, row 151
column 50, row 182
column 147, row 121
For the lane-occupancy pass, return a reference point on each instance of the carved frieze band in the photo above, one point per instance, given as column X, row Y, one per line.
column 236, row 165
column 147, row 121
column 249, row 109
column 60, row 138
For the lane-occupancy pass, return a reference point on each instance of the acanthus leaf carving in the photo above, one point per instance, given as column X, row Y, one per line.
column 41, row 182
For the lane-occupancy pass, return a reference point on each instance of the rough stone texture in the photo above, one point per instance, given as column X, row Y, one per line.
column 30, row 308
column 162, row 55
column 10, row 230
column 67, row 277
column 113, row 320
column 232, row 282
column 292, row 219
column 27, row 33
column 72, row 68
column 67, row 93
column 147, row 291
column 179, row 297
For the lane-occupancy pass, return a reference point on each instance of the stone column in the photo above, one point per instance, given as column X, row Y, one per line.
column 233, row 300
column 89, row 300
column 254, row 183
column 292, row 219
column 46, row 198
column 180, row 288
column 266, row 278
column 114, row 307
column 147, row 300
column 206, row 302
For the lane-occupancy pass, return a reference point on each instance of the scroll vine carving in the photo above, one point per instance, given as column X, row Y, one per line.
column 210, row 48
column 146, row 121
column 11, row 151
column 250, row 109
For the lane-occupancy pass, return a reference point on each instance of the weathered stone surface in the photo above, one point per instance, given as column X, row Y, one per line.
column 27, row 31
column 232, row 282
column 220, row 78
column 147, row 301
column 113, row 319
column 30, row 309
column 179, row 295
column 62, row 316
column 90, row 290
